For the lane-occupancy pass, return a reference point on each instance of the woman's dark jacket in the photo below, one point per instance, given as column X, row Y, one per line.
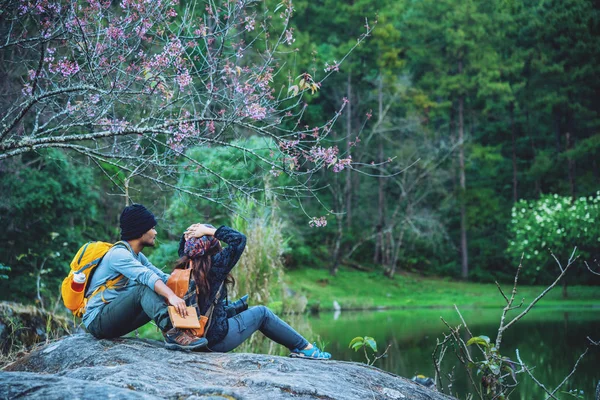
column 222, row 263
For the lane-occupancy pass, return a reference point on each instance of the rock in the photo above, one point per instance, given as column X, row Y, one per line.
column 80, row 366
column 293, row 303
column 336, row 306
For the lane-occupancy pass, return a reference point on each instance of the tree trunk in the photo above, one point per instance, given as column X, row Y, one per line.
column 377, row 258
column 556, row 118
column 570, row 139
column 335, row 262
column 348, row 189
column 336, row 191
column 513, row 134
column 570, row 166
column 463, row 184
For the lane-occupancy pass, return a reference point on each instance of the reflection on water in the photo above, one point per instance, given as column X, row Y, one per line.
column 548, row 339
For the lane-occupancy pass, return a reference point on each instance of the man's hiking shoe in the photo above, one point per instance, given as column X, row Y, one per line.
column 181, row 339
column 313, row 353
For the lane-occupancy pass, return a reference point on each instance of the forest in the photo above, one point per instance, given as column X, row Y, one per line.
column 443, row 138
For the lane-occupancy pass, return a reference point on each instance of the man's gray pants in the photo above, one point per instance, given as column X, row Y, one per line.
column 129, row 311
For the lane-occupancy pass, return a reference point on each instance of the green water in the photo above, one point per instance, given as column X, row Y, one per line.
column 548, row 339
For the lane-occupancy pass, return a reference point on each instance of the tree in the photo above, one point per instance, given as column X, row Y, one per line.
column 452, row 54
column 47, row 210
column 133, row 84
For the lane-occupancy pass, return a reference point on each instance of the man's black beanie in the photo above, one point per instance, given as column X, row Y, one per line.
column 135, row 221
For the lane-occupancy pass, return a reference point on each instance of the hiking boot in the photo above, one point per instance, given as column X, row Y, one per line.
column 181, row 339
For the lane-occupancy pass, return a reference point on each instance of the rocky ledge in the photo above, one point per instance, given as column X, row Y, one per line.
column 81, row 367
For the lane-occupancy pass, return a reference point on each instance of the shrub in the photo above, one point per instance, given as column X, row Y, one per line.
column 557, row 224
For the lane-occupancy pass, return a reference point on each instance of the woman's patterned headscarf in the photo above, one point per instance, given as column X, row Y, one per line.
column 197, row 247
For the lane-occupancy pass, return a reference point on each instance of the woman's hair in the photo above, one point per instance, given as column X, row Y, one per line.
column 201, row 265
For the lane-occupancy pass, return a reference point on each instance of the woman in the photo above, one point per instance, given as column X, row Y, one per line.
column 200, row 249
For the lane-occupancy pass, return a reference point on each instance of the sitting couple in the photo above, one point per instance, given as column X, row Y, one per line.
column 144, row 295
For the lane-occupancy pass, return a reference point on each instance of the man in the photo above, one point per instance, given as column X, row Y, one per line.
column 123, row 305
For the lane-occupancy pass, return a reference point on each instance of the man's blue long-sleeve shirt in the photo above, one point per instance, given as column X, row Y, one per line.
column 136, row 270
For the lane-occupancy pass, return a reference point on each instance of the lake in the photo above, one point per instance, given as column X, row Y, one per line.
column 548, row 339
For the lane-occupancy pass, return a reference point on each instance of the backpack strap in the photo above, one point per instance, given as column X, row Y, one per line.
column 112, row 283
column 210, row 310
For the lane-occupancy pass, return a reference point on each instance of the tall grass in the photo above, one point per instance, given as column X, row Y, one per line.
column 259, row 272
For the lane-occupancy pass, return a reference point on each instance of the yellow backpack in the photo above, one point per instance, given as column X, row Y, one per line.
column 83, row 265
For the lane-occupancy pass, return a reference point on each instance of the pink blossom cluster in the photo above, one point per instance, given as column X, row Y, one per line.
column 263, row 80
column 342, row 163
column 229, row 69
column 174, row 48
column 288, row 144
column 317, row 222
column 184, row 78
column 97, row 5
column 275, row 172
column 250, row 22
column 171, row 55
column 211, row 126
column 289, row 36
column 64, row 67
column 70, row 108
column 246, row 90
column 185, row 130
column 256, row 111
column 27, row 89
column 39, row 7
column 144, row 27
column 332, row 67
column 115, row 32
column 114, row 125
column 32, row 74
column 326, row 154
column 140, row 5
column 201, row 31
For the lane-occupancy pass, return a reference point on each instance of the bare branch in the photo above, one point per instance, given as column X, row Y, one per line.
column 501, row 292
column 592, row 271
column 564, row 270
column 533, row 377
column 551, row 395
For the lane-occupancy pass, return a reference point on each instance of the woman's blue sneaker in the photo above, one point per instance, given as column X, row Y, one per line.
column 313, row 353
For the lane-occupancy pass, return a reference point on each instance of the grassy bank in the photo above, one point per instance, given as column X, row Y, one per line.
column 357, row 289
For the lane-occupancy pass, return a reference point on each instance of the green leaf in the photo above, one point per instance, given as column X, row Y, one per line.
column 371, row 343
column 357, row 346
column 357, row 339
column 480, row 340
column 495, row 368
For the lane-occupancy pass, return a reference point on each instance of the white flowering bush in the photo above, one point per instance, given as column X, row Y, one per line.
column 553, row 224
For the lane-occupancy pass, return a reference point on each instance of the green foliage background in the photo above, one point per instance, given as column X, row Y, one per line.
column 529, row 75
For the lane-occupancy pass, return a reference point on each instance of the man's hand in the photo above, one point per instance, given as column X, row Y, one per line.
column 198, row 230
column 179, row 305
